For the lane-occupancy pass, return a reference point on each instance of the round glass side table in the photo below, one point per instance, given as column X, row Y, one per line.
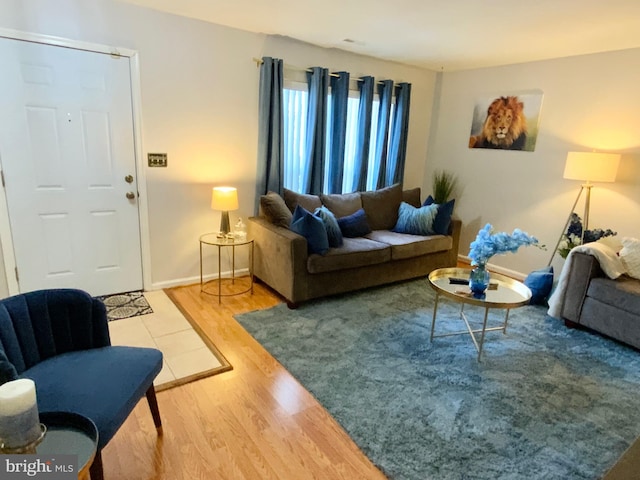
column 220, row 242
column 71, row 434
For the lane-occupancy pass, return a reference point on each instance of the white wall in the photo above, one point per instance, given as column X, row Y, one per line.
column 200, row 105
column 590, row 102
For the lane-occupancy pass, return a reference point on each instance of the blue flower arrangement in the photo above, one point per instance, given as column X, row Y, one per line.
column 487, row 244
column 573, row 236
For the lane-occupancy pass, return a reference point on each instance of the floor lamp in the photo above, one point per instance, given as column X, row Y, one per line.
column 588, row 167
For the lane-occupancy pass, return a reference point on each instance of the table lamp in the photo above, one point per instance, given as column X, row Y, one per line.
column 588, row 167
column 224, row 199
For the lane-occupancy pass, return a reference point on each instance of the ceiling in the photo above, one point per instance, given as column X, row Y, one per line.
column 436, row 34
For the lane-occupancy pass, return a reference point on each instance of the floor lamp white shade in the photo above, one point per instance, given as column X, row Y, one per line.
column 587, row 167
column 224, row 199
column 591, row 166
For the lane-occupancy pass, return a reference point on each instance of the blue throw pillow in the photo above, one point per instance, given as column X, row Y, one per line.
column 330, row 225
column 312, row 228
column 540, row 283
column 443, row 217
column 354, row 225
column 416, row 221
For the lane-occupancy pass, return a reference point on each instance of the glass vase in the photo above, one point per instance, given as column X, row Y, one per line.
column 479, row 280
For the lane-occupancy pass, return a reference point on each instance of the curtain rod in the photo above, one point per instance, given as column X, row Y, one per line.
column 302, row 69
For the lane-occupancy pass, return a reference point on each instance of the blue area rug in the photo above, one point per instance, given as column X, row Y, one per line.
column 546, row 402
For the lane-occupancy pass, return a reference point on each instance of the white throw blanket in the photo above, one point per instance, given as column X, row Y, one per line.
column 609, row 262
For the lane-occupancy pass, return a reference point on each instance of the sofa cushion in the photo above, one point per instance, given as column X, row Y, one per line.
column 312, row 229
column 275, row 210
column 412, row 196
column 354, row 225
column 308, row 202
column 408, row 246
column 342, row 204
column 381, row 206
column 416, row 221
column 443, row 217
column 334, row 234
column 117, row 377
column 354, row 253
column 622, row 293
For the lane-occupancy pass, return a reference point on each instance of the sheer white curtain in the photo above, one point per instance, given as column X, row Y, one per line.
column 295, row 100
column 295, row 111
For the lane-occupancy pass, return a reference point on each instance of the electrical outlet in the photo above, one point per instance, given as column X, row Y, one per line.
column 157, row 159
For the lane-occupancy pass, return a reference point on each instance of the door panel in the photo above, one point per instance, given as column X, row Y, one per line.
column 66, row 145
column 56, row 230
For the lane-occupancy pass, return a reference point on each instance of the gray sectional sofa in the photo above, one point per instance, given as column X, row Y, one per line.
column 592, row 300
column 283, row 262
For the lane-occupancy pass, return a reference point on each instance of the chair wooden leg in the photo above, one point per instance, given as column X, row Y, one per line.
column 153, row 405
column 95, row 471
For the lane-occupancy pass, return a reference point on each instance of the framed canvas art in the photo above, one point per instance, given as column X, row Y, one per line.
column 506, row 122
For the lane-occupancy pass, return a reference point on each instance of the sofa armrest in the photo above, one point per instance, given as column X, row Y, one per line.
column 280, row 257
column 455, row 228
column 584, row 267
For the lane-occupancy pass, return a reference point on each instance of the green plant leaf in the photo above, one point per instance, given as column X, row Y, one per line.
column 444, row 183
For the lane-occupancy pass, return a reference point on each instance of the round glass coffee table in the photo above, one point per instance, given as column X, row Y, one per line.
column 504, row 292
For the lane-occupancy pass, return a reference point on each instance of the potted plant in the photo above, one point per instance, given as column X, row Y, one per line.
column 444, row 183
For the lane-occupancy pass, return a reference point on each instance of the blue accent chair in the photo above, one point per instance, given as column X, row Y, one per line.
column 60, row 339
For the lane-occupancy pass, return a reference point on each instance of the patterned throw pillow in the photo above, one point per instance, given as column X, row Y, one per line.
column 331, row 226
column 630, row 256
column 312, row 228
column 416, row 221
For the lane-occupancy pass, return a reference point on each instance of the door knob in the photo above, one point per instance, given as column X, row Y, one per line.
column 128, row 179
column 131, row 195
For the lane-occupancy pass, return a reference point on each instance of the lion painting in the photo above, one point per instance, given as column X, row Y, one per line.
column 505, row 126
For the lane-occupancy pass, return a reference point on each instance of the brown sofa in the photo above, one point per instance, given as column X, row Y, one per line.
column 592, row 300
column 282, row 261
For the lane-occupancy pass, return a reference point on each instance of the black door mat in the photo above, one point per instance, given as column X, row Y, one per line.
column 125, row 305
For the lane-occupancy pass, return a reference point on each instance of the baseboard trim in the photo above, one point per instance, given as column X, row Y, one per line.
column 181, row 282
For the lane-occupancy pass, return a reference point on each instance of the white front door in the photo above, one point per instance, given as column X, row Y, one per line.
column 68, row 160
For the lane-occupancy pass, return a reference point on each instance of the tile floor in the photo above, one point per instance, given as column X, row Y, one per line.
column 166, row 329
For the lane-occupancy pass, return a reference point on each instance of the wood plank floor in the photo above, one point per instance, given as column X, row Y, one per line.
column 254, row 422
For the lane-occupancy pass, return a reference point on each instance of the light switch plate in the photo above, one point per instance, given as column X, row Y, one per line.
column 157, row 159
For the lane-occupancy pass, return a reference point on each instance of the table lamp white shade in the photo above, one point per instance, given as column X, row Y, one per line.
column 591, row 166
column 224, row 199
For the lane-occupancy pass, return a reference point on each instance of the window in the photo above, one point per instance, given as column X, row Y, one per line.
column 294, row 106
column 295, row 111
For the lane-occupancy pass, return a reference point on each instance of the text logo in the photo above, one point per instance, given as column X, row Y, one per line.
column 50, row 467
